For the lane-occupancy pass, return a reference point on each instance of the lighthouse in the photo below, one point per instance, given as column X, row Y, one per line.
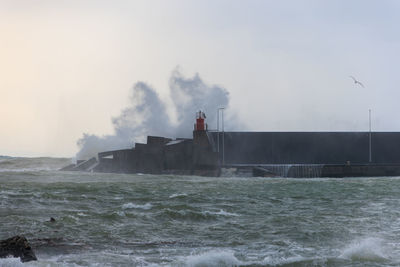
column 200, row 136
column 204, row 157
column 200, row 125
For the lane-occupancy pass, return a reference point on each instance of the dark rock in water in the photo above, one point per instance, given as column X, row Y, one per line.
column 17, row 246
column 52, row 219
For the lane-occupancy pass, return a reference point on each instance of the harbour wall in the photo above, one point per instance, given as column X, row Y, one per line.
column 306, row 147
column 268, row 154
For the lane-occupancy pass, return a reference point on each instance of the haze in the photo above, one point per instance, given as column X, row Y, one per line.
column 68, row 67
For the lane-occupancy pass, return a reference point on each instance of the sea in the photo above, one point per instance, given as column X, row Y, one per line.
column 106, row 219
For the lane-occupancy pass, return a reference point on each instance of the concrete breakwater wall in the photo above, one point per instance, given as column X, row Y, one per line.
column 314, row 170
column 271, row 154
column 307, row 147
column 159, row 155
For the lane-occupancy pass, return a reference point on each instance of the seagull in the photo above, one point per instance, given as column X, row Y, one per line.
column 357, row 82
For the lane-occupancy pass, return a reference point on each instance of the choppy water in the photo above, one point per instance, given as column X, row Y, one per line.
column 149, row 220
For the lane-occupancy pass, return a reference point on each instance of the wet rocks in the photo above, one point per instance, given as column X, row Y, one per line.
column 17, row 246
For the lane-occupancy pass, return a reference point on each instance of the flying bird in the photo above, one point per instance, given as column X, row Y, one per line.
column 357, row 82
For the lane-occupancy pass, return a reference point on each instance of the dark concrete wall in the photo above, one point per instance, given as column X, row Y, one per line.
column 121, row 161
column 204, row 157
column 179, row 156
column 360, row 170
column 161, row 156
column 157, row 140
column 308, row 147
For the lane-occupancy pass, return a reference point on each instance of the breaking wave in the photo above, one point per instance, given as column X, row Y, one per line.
column 368, row 249
column 130, row 205
column 17, row 164
column 222, row 213
column 176, row 195
column 213, row 258
column 12, row 262
column 148, row 114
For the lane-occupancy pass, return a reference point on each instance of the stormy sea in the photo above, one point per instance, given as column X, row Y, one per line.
column 165, row 220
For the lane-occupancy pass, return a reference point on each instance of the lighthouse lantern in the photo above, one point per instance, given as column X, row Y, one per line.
column 200, row 125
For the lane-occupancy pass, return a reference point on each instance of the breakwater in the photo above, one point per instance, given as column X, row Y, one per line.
column 267, row 154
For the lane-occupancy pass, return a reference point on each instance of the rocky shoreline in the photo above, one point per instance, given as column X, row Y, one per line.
column 17, row 247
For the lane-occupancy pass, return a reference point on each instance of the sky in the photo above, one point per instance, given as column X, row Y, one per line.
column 68, row 67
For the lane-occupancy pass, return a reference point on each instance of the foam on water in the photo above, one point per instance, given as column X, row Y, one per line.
column 221, row 213
column 177, row 195
column 13, row 262
column 213, row 258
column 276, row 261
column 367, row 249
column 150, row 220
column 227, row 257
column 131, row 205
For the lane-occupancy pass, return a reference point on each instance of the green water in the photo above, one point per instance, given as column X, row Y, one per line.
column 147, row 220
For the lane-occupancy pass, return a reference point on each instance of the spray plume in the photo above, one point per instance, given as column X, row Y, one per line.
column 147, row 114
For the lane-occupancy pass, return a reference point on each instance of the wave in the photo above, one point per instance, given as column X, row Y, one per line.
column 21, row 164
column 176, row 195
column 131, row 205
column 213, row 258
column 368, row 249
column 13, row 262
column 228, row 258
column 222, row 213
column 190, row 214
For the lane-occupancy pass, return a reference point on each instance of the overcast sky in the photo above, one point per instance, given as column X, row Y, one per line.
column 68, row 67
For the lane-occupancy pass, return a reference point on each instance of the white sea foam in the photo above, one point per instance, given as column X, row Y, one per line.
column 367, row 249
column 12, row 262
column 131, row 205
column 228, row 258
column 73, row 217
column 213, row 258
column 121, row 213
column 221, row 213
column 59, row 260
column 269, row 260
column 178, row 195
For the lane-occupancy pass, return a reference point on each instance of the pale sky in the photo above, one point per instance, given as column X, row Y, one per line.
column 67, row 67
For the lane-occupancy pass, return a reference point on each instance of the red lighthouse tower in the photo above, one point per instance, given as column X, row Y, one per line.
column 204, row 158
column 200, row 125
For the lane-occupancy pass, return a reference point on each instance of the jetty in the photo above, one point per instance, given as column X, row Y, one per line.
column 266, row 154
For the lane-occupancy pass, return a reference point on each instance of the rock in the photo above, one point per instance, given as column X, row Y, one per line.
column 17, row 246
column 52, row 219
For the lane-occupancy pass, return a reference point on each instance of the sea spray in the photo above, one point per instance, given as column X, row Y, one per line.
column 147, row 114
column 367, row 249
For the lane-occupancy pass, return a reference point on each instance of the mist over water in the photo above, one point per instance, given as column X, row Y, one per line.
column 148, row 114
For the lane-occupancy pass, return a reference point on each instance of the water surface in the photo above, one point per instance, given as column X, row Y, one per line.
column 150, row 220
